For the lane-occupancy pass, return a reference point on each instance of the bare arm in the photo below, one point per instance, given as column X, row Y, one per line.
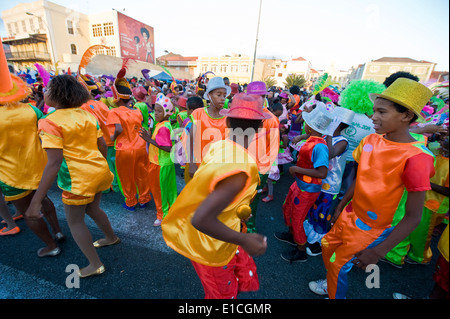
column 205, row 218
column 54, row 161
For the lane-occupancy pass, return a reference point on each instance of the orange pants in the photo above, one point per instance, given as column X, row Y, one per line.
column 133, row 168
column 348, row 236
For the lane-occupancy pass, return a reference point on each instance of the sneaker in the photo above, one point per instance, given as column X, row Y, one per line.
column 157, row 222
column 397, row 295
column 130, row 208
column 413, row 262
column 142, row 205
column 294, row 255
column 387, row 261
column 12, row 231
column 319, row 287
column 314, row 249
column 285, row 237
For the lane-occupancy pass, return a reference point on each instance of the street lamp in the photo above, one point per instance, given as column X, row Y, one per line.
column 48, row 34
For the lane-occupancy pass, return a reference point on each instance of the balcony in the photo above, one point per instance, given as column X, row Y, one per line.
column 28, row 56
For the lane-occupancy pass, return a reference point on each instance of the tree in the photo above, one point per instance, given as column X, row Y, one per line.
column 270, row 82
column 294, row 79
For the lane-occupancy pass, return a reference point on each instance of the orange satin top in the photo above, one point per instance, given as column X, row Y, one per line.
column 224, row 158
column 207, row 131
column 131, row 122
column 385, row 169
column 101, row 111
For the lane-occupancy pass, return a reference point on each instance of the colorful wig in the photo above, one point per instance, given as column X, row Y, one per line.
column 355, row 97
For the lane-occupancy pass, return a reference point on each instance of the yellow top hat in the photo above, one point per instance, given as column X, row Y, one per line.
column 408, row 93
column 12, row 88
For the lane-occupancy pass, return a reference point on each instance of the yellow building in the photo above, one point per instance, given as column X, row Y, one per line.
column 237, row 67
column 378, row 70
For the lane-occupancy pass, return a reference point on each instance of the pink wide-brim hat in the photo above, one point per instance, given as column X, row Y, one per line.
column 246, row 106
column 257, row 88
column 140, row 93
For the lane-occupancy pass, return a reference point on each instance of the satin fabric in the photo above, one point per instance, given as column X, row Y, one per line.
column 163, row 187
column 224, row 159
column 84, row 170
column 380, row 181
column 133, row 169
column 239, row 275
column 22, row 165
column 207, row 131
column 101, row 111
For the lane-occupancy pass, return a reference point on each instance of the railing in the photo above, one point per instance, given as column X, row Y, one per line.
column 28, row 55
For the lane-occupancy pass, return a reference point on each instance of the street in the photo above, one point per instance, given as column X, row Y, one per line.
column 143, row 267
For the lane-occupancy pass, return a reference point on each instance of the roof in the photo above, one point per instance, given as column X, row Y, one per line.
column 399, row 60
column 299, row 59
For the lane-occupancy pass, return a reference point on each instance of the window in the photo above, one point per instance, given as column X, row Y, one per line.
column 73, row 48
column 24, row 26
column 407, row 69
column 394, row 69
column 111, row 51
column 41, row 24
column 234, row 68
column 16, row 27
column 97, row 30
column 69, row 27
column 420, row 70
column 204, row 68
column 244, row 68
column 10, row 30
column 223, row 68
column 214, row 68
column 374, row 68
column 32, row 25
column 108, row 28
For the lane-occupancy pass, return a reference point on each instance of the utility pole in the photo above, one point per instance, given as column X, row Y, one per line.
column 256, row 42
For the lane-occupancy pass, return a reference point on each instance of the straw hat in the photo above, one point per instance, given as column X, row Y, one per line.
column 246, row 106
column 12, row 88
column 216, row 83
column 318, row 119
column 408, row 93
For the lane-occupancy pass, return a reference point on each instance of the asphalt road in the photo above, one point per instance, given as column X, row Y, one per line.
column 143, row 267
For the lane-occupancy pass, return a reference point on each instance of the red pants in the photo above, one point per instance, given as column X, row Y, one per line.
column 295, row 210
column 225, row 282
column 133, row 168
column 440, row 275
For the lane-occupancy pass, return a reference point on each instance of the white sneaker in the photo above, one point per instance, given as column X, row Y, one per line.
column 157, row 222
column 319, row 287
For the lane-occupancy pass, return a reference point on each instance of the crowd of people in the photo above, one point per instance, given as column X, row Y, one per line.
column 368, row 163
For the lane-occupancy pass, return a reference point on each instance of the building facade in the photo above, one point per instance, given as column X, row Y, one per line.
column 46, row 33
column 378, row 70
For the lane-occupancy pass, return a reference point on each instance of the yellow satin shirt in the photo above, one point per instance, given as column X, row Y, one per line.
column 84, row 170
column 22, row 159
column 224, row 158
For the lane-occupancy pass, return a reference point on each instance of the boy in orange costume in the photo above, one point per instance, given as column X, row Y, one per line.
column 203, row 224
column 208, row 124
column 132, row 163
column 388, row 162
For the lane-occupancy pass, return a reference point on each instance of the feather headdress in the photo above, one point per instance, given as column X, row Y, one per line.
column 122, row 81
column 85, row 60
column 43, row 73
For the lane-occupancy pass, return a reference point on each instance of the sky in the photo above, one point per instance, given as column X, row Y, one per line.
column 325, row 32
